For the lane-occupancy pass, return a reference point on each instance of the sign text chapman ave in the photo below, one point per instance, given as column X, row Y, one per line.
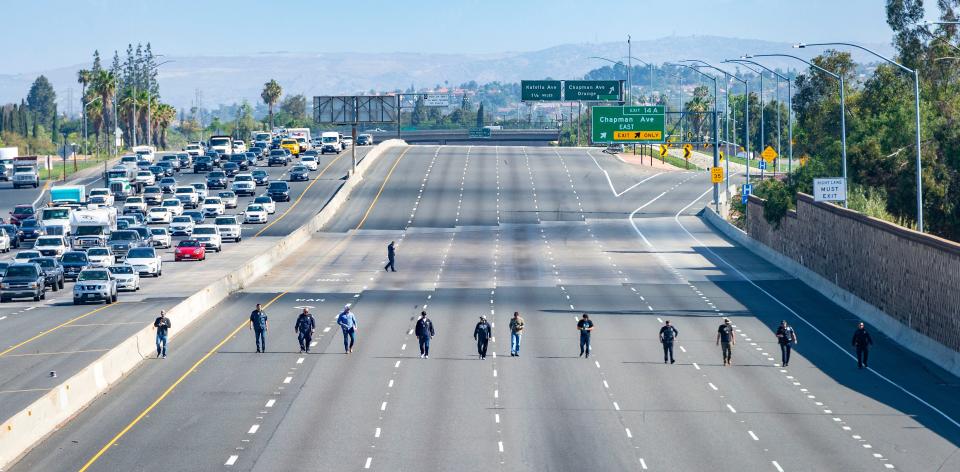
column 592, row 90
column 630, row 124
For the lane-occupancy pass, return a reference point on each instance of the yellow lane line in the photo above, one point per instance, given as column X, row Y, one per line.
column 365, row 215
column 44, row 333
column 301, row 195
column 169, row 389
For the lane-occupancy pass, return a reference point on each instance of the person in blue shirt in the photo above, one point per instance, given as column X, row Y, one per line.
column 348, row 324
column 258, row 323
column 305, row 328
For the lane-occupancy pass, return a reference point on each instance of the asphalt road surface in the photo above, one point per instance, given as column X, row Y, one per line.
column 550, row 233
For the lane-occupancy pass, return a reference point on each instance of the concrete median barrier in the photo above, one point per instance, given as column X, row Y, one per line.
column 26, row 428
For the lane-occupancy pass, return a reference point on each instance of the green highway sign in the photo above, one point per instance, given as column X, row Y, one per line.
column 631, row 124
column 479, row 133
column 592, row 90
column 540, row 90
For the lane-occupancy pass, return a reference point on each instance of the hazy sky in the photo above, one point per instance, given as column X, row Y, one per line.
column 43, row 34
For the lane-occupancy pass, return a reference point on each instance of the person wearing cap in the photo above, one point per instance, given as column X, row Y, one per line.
column 786, row 337
column 305, row 327
column 862, row 341
column 424, row 331
column 667, row 334
column 726, row 339
column 162, row 325
column 482, row 334
column 585, row 326
column 348, row 324
column 258, row 323
column 516, row 332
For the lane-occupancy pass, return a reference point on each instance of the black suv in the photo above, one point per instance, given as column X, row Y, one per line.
column 241, row 161
column 279, row 191
column 23, row 280
column 73, row 262
column 52, row 271
column 278, row 157
column 203, row 164
column 122, row 241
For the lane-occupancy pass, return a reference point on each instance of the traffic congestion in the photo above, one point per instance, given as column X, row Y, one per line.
column 151, row 211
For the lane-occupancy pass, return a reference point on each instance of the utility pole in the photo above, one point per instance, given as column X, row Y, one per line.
column 629, row 67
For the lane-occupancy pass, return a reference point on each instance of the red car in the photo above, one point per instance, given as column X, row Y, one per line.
column 20, row 213
column 190, row 249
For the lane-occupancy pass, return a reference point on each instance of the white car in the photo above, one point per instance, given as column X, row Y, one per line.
column 4, row 242
column 310, row 162
column 145, row 260
column 243, row 184
column 254, row 214
column 158, row 215
column 181, row 226
column 201, row 189
column 239, row 146
column 101, row 192
column 100, row 256
column 25, row 256
column 52, row 246
column 172, row 205
column 146, row 177
column 213, row 207
column 267, row 202
column 209, row 235
column 134, row 203
column 229, row 227
column 187, row 195
column 229, row 198
column 161, row 237
column 127, row 277
column 195, row 150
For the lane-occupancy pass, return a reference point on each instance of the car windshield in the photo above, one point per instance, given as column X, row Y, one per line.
column 307, row 159
column 98, row 251
column 189, row 243
column 185, row 190
column 93, row 275
column 142, row 252
column 217, row 174
column 254, row 208
column 278, row 185
column 220, row 142
column 263, row 199
column 20, row 271
column 135, row 200
column 227, row 195
column 44, row 262
column 158, row 231
column 213, row 201
column 243, row 178
column 257, row 173
column 49, row 242
column 56, row 213
column 168, row 180
column 121, row 269
column 329, row 139
column 182, row 219
column 225, row 221
column 28, row 254
column 199, row 186
column 152, row 190
column 299, row 169
column 159, row 210
column 277, row 152
column 74, row 257
column 20, row 211
column 203, row 230
column 124, row 235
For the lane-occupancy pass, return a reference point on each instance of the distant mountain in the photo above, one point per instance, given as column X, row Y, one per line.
column 229, row 79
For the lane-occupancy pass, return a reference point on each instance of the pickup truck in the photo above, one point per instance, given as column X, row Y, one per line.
column 25, row 175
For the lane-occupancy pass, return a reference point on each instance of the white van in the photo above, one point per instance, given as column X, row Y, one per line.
column 330, row 142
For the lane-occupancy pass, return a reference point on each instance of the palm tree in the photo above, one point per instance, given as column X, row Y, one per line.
column 270, row 95
column 165, row 115
column 104, row 84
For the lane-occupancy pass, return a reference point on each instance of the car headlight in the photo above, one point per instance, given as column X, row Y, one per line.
column 33, row 285
column 4, row 285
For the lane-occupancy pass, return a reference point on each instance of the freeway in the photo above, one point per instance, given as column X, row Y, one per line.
column 56, row 336
column 550, row 233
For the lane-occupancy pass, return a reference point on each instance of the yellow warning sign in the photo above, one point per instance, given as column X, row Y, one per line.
column 687, row 149
column 637, row 135
column 769, row 154
column 716, row 175
column 721, row 155
column 664, row 149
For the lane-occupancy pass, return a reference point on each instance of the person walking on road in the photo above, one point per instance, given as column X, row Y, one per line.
column 162, row 325
column 348, row 324
column 482, row 334
column 391, row 256
column 726, row 339
column 585, row 326
column 516, row 332
column 862, row 341
column 305, row 327
column 424, row 331
column 258, row 323
column 787, row 337
column 667, row 334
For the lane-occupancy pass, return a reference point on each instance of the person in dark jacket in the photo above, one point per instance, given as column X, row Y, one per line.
column 667, row 334
column 482, row 334
column 305, row 327
column 726, row 339
column 259, row 323
column 862, row 341
column 391, row 256
column 786, row 337
column 162, row 325
column 424, row 331
column 585, row 326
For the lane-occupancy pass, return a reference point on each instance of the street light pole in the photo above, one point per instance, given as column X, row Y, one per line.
column 843, row 110
column 716, row 133
column 629, row 66
column 916, row 107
